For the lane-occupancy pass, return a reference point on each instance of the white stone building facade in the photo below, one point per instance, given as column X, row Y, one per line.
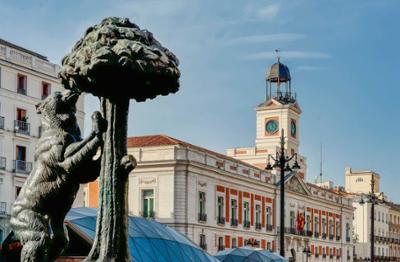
column 25, row 79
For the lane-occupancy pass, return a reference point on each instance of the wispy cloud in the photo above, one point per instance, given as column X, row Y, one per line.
column 287, row 54
column 284, row 37
column 310, row 68
column 270, row 11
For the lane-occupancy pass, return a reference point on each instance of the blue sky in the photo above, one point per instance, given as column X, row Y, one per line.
column 343, row 57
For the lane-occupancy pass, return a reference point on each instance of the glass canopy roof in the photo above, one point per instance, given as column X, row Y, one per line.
column 247, row 254
column 148, row 240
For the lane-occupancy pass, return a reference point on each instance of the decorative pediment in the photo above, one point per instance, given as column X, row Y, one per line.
column 295, row 184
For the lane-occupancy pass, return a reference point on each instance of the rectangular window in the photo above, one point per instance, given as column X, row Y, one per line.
column 0, row 77
column 258, row 216
column 148, row 203
column 3, row 208
column 21, row 84
column 21, row 115
column 234, row 210
column 20, row 153
column 337, row 229
column 308, row 223
column 203, row 244
column 292, row 220
column 220, row 210
column 323, row 226
column 45, row 90
column 246, row 210
column 17, row 190
column 316, row 225
column 268, row 217
column 202, row 202
column 220, row 243
column 330, row 227
column 234, row 245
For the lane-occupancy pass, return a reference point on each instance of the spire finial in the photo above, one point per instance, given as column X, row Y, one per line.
column 277, row 55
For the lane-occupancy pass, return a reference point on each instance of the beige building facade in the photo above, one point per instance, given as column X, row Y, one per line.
column 394, row 231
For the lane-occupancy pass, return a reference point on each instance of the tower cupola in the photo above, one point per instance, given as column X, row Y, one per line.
column 279, row 83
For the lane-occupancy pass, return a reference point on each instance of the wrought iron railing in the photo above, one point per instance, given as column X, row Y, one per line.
column 20, row 166
column 202, row 217
column 221, row 220
column 22, row 127
column 234, row 222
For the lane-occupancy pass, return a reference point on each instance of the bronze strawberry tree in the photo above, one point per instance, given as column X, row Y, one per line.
column 117, row 61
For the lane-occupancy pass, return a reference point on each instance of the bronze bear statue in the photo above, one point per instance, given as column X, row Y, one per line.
column 63, row 161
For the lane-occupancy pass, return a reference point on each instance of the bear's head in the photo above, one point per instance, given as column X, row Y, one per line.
column 58, row 111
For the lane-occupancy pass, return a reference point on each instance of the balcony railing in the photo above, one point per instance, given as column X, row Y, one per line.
column 323, row 255
column 246, row 224
column 21, row 90
column 150, row 214
column 309, row 233
column 221, row 220
column 234, row 222
column 202, row 217
column 347, row 239
column 331, row 237
column 316, row 255
column 269, row 227
column 22, row 127
column 1, row 122
column 20, row 166
column 316, row 234
column 337, row 238
column 258, row 226
column 3, row 163
column 221, row 247
column 323, row 235
column 330, row 256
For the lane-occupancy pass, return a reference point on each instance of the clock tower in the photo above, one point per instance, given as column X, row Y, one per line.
column 280, row 112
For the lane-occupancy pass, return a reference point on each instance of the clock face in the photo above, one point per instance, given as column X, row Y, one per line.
column 293, row 129
column 271, row 126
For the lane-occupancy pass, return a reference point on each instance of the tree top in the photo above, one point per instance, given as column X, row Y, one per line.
column 117, row 59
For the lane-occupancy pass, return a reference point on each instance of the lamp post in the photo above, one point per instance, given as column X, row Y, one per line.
column 374, row 200
column 282, row 162
column 307, row 251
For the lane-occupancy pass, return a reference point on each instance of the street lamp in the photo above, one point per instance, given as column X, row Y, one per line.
column 307, row 251
column 374, row 200
column 282, row 162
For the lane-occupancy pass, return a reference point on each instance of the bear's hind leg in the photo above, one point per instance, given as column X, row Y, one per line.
column 32, row 230
column 59, row 240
